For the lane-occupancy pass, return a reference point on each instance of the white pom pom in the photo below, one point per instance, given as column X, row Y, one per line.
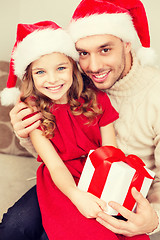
column 147, row 56
column 9, row 96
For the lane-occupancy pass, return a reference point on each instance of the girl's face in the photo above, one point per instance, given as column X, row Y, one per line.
column 52, row 76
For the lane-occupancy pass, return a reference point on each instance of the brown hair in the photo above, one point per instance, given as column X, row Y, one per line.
column 86, row 90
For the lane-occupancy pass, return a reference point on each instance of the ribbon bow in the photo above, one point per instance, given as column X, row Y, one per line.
column 102, row 159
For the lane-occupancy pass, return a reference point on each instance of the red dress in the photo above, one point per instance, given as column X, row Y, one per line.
column 73, row 139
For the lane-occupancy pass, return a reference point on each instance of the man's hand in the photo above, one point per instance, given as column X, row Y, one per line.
column 24, row 127
column 145, row 220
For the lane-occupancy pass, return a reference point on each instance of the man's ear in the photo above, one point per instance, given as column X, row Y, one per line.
column 127, row 46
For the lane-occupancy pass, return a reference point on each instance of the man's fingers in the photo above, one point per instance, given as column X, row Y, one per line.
column 28, row 121
column 19, row 106
column 17, row 111
column 144, row 220
column 129, row 215
column 139, row 197
column 123, row 211
column 117, row 223
column 25, row 131
column 17, row 117
column 113, row 224
column 22, row 125
column 22, row 106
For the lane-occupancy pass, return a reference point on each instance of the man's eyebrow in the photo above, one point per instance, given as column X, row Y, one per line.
column 108, row 44
column 80, row 49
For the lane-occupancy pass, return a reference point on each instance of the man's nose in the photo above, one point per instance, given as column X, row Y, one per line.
column 94, row 63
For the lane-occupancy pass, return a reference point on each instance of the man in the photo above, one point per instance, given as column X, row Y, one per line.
column 113, row 42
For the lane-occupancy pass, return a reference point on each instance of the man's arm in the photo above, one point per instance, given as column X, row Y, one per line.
column 23, row 127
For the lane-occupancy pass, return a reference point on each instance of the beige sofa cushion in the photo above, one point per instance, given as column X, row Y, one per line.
column 17, row 175
column 9, row 143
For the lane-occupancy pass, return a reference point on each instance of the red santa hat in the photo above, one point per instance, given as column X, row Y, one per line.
column 34, row 41
column 125, row 19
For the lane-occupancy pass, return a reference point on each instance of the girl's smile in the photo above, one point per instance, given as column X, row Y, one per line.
column 52, row 76
column 55, row 89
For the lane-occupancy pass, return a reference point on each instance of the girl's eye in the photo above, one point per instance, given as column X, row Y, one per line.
column 39, row 72
column 61, row 68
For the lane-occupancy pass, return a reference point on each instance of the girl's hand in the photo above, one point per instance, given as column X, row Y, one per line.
column 88, row 204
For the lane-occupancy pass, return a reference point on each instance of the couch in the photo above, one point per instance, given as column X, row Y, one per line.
column 18, row 167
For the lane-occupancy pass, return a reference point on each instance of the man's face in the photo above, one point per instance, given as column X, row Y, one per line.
column 104, row 58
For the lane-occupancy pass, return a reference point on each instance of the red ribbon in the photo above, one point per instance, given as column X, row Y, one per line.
column 102, row 159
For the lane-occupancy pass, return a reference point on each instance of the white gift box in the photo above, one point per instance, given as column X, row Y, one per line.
column 117, row 184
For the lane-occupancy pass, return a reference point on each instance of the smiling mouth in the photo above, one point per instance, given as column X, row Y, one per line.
column 100, row 77
column 54, row 88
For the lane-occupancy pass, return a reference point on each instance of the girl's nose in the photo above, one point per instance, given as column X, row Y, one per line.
column 52, row 77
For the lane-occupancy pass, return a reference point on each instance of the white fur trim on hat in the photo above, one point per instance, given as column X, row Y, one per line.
column 147, row 56
column 39, row 43
column 9, row 96
column 119, row 25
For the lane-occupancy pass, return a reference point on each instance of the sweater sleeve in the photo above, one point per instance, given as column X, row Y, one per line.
column 27, row 144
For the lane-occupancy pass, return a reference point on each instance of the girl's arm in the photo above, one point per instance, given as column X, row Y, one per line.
column 86, row 203
column 59, row 172
column 108, row 135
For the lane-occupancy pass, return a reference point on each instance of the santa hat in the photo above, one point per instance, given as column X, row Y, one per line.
column 34, row 41
column 125, row 19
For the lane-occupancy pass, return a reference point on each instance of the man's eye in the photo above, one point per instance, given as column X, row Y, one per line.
column 83, row 53
column 105, row 50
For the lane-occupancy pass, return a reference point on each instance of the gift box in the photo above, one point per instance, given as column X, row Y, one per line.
column 110, row 175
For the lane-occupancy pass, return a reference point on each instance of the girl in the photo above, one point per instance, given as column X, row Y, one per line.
column 75, row 119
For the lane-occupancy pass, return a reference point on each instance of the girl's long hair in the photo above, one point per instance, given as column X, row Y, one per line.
column 85, row 89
